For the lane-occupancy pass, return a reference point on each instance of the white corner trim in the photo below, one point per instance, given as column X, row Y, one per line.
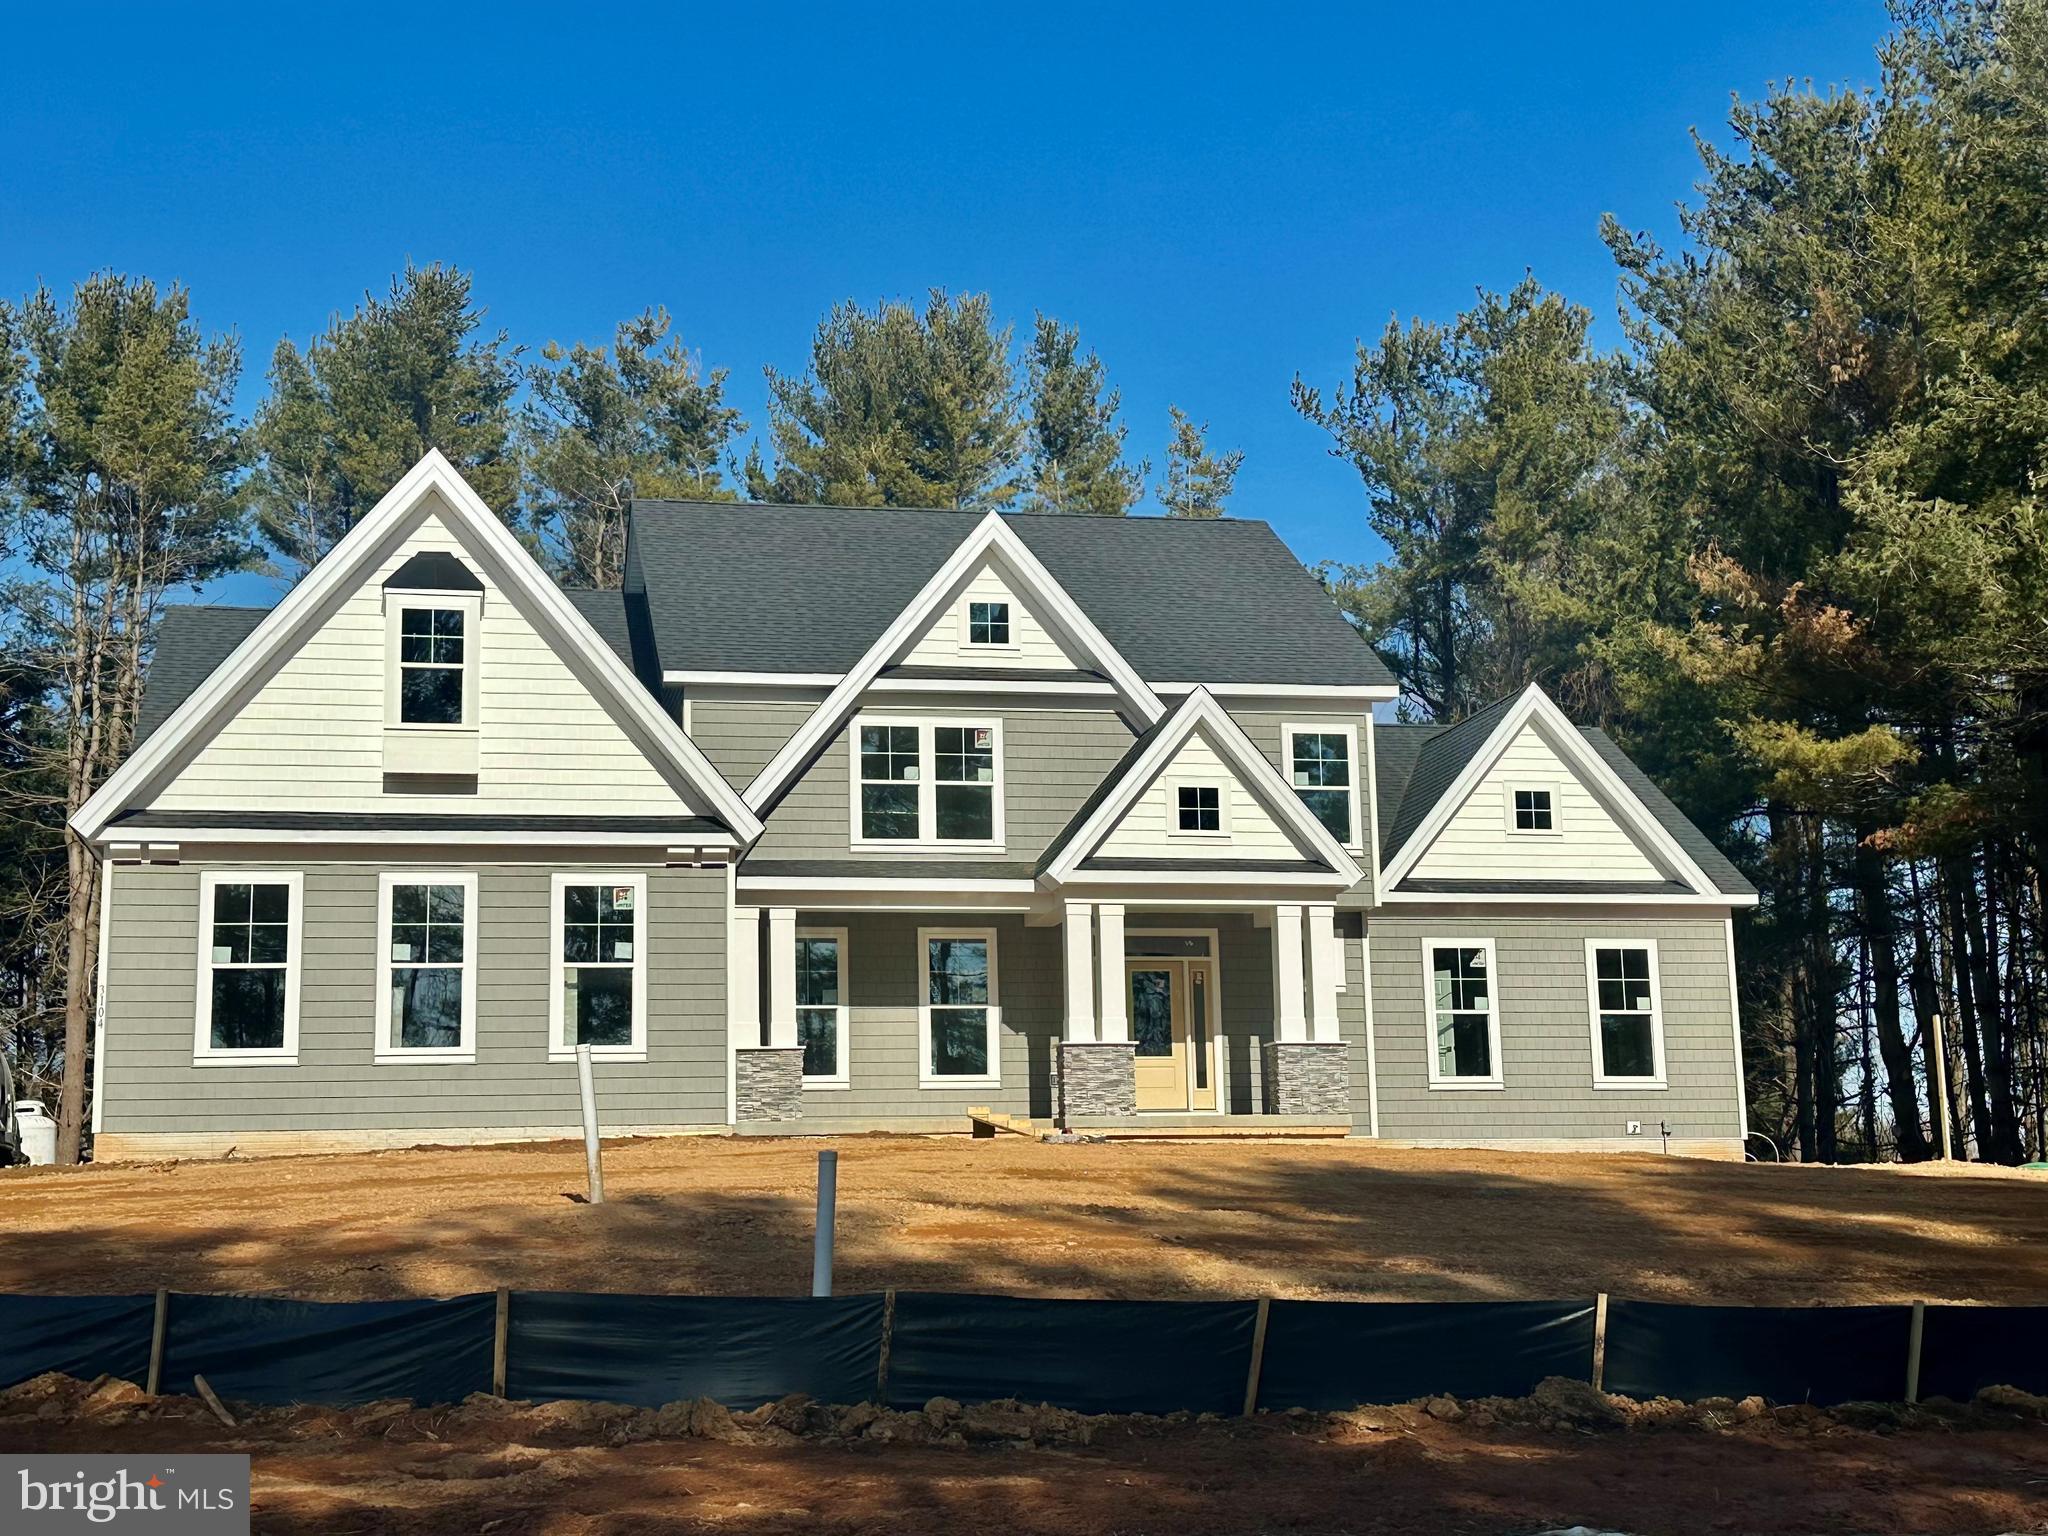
column 99, row 1021
column 1602, row 1078
column 1438, row 1080
column 382, row 1051
column 1735, row 1028
column 286, row 1054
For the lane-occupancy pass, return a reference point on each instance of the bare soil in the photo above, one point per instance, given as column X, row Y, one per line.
column 1128, row 1219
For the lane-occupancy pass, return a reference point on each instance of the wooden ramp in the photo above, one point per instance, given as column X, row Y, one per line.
column 986, row 1122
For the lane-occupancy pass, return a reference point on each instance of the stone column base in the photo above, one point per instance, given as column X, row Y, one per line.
column 1098, row 1077
column 768, row 1083
column 1308, row 1077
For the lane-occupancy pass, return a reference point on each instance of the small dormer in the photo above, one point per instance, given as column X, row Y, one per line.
column 433, row 618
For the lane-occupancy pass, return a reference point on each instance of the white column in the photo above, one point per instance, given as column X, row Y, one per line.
column 1325, row 957
column 782, row 977
column 1116, row 1021
column 1079, row 937
column 1290, row 1018
column 743, row 977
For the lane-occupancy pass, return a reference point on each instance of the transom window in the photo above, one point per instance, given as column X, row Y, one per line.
column 248, row 968
column 430, row 662
column 600, row 970
column 959, row 1019
column 821, row 1006
column 928, row 781
column 1464, row 1013
column 1198, row 808
column 1628, row 1032
column 1530, row 809
column 1321, row 765
column 988, row 623
column 427, row 996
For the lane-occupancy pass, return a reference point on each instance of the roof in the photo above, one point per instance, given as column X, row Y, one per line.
column 433, row 570
column 746, row 588
column 190, row 642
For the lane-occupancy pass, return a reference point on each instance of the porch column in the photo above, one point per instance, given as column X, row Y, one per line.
column 1290, row 1017
column 782, row 977
column 1325, row 955
column 743, row 976
column 768, row 1075
column 1078, row 931
column 1116, row 1022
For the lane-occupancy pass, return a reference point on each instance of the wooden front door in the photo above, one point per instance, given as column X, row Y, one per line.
column 1171, row 1025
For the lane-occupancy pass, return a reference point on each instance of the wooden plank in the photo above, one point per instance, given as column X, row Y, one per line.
column 1599, row 1341
column 501, row 1335
column 219, row 1408
column 156, row 1339
column 1251, row 1376
column 1914, row 1336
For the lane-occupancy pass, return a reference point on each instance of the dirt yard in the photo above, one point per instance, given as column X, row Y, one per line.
column 1121, row 1219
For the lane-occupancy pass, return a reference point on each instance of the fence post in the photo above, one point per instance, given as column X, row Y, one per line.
column 1914, row 1336
column 882, row 1360
column 501, row 1334
column 590, row 1152
column 1600, row 1342
column 1251, row 1375
column 828, row 1203
column 156, row 1338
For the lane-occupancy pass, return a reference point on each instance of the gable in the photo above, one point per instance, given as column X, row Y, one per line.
column 1150, row 828
column 948, row 642
column 1589, row 841
column 310, row 735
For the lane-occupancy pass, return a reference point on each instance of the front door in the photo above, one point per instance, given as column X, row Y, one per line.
column 1170, row 1024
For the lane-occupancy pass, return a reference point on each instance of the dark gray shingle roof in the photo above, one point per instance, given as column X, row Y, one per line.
column 190, row 642
column 742, row 588
column 434, row 570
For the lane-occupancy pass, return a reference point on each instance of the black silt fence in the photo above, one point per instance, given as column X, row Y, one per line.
column 1338, row 1354
column 82, row 1336
column 1787, row 1354
column 1966, row 1349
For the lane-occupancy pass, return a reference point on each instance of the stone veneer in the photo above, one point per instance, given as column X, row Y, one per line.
column 1308, row 1077
column 1098, row 1078
column 768, row 1084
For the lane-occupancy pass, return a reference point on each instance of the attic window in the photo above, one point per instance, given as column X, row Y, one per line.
column 1531, row 808
column 988, row 623
column 1199, row 808
column 430, row 666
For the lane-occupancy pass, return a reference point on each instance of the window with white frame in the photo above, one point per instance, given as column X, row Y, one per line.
column 248, row 992
column 1322, row 765
column 959, row 1018
column 1628, row 1019
column 988, row 623
column 1461, row 993
column 426, row 995
column 928, row 782
column 599, row 985
column 1532, row 808
column 1199, row 810
column 821, row 1005
column 432, row 644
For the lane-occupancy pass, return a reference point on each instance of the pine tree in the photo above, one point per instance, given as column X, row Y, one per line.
column 1076, row 442
column 1197, row 483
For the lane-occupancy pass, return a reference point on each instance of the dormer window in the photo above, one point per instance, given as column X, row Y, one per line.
column 1531, row 808
column 433, row 622
column 430, row 666
column 988, row 623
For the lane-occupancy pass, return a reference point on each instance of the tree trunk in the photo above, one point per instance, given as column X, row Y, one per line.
column 81, row 983
column 1880, row 925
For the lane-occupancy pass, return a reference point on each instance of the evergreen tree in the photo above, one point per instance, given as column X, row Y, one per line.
column 346, row 418
column 604, row 426
column 1076, row 442
column 1197, row 483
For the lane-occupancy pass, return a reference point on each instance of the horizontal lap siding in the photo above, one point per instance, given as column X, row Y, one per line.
column 1546, row 1034
column 741, row 735
column 150, row 1084
column 1264, row 727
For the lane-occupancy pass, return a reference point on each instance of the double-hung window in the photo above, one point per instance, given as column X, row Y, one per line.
column 598, row 991
column 959, row 1022
column 821, row 1005
column 248, row 989
column 1627, row 1014
column 1462, row 1000
column 426, row 992
column 1322, row 765
column 927, row 782
column 431, row 659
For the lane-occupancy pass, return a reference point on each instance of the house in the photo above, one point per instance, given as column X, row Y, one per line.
column 860, row 819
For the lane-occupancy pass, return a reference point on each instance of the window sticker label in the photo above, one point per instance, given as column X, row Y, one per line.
column 984, row 738
column 622, row 898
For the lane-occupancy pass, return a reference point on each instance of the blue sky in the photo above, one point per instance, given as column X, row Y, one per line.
column 1218, row 196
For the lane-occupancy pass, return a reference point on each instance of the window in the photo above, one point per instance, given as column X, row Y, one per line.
column 1198, row 809
column 426, row 989
column 430, row 666
column 988, row 623
column 958, row 1023
column 248, row 992
column 599, row 986
column 821, row 1005
column 1462, row 999
column 923, row 782
column 1532, row 808
column 1321, row 765
column 1628, row 1019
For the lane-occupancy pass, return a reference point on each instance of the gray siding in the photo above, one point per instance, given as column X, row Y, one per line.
column 740, row 735
column 151, row 1086
column 1545, row 1034
column 1052, row 762
column 1264, row 727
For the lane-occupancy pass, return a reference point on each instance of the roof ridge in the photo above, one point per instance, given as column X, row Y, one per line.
column 823, row 506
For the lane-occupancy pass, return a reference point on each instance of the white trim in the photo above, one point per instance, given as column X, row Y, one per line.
column 345, row 568
column 1564, row 739
column 843, row 1010
column 1735, row 1028
column 979, row 686
column 1372, row 809
column 1353, row 764
column 171, row 835
column 989, row 538
column 1245, row 884
column 970, row 645
column 1602, row 1078
column 1175, row 785
column 902, row 886
column 1255, row 772
column 1554, row 806
column 926, row 1078
column 636, row 1049
column 1332, row 692
column 685, row 677
column 1213, row 1024
column 99, row 1021
column 204, row 1053
column 927, row 782
column 1372, row 1057
column 1491, row 899
column 382, row 1051
column 1438, row 1082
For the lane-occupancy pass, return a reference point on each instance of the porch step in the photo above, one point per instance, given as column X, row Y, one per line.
column 986, row 1122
